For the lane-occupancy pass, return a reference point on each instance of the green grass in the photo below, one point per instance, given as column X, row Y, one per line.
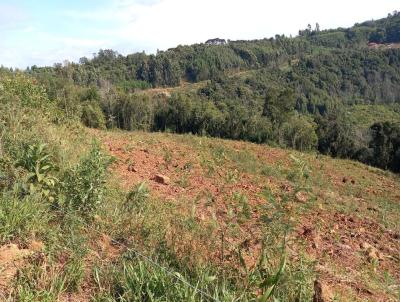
column 366, row 115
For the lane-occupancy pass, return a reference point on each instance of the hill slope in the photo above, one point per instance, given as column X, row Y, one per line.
column 341, row 216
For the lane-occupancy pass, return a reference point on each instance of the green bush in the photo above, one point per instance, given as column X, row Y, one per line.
column 92, row 116
column 23, row 89
column 39, row 164
column 83, row 185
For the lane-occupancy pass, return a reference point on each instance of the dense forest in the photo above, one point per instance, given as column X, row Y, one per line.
column 294, row 92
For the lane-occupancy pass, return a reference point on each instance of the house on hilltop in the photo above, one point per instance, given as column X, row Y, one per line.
column 216, row 41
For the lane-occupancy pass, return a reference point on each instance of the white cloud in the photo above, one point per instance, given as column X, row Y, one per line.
column 136, row 25
column 168, row 23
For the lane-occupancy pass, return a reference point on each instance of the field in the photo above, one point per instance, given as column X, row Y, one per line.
column 212, row 209
column 340, row 217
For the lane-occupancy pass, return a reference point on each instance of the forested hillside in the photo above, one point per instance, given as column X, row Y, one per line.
column 293, row 92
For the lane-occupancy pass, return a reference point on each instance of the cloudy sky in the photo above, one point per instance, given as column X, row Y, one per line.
column 44, row 32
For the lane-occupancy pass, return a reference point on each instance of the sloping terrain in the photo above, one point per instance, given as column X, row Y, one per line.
column 343, row 216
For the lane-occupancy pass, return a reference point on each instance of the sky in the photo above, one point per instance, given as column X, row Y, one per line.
column 44, row 32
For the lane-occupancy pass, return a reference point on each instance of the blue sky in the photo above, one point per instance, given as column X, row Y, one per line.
column 43, row 32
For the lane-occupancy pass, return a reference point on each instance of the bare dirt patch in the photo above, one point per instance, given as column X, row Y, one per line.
column 12, row 258
column 344, row 211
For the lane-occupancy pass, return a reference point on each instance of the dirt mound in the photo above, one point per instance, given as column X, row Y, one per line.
column 12, row 258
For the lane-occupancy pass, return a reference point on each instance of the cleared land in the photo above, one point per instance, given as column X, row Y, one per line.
column 342, row 216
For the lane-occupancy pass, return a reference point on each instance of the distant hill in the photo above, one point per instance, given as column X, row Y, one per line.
column 264, row 91
column 204, row 61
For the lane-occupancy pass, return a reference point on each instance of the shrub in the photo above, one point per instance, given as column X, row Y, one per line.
column 83, row 185
column 92, row 116
column 23, row 89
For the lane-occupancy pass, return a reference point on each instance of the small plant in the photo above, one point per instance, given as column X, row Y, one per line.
column 188, row 166
column 8, row 173
column 83, row 185
column 184, row 181
column 270, row 281
column 209, row 165
column 210, row 199
column 168, row 156
column 232, row 176
column 243, row 208
column 219, row 156
column 137, row 197
column 74, row 274
column 301, row 173
column 38, row 162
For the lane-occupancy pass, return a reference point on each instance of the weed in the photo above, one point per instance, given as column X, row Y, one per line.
column 134, row 279
column 167, row 156
column 232, row 176
column 188, row 166
column 209, row 165
column 243, row 209
column 184, row 181
column 39, row 281
column 74, row 274
column 39, row 164
column 83, row 185
column 136, row 198
column 21, row 218
column 301, row 172
column 219, row 155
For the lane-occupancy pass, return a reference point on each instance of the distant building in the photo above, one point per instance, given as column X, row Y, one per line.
column 216, row 41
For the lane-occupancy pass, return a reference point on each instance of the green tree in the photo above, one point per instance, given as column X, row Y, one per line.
column 385, row 143
column 279, row 106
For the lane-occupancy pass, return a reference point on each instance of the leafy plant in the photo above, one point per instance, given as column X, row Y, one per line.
column 38, row 162
column 83, row 185
column 301, row 173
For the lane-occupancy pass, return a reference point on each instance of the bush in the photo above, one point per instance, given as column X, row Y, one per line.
column 23, row 89
column 83, row 185
column 92, row 116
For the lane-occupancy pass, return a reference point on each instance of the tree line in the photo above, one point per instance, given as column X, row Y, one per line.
column 291, row 92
